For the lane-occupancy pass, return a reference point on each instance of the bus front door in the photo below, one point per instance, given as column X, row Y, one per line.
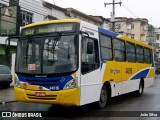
column 90, row 71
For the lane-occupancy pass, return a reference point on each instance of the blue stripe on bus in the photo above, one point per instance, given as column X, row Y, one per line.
column 47, row 82
column 141, row 74
column 107, row 32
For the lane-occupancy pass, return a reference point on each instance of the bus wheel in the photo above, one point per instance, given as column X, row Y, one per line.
column 103, row 98
column 141, row 88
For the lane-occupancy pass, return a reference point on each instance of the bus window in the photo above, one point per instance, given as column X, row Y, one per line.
column 106, row 47
column 90, row 56
column 131, row 52
column 139, row 52
column 119, row 48
column 147, row 56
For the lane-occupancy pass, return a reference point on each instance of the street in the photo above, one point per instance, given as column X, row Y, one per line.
column 150, row 101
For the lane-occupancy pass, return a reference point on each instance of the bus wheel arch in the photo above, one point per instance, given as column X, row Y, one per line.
column 105, row 95
column 109, row 90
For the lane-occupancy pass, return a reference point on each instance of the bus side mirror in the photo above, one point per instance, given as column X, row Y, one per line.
column 90, row 48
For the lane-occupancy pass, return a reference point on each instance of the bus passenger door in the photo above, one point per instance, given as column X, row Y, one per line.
column 90, row 71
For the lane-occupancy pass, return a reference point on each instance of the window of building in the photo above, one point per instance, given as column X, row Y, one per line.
column 131, row 52
column 118, row 26
column 106, row 47
column 147, row 55
column 157, row 44
column 143, row 26
column 157, row 36
column 119, row 48
column 26, row 18
column 131, row 35
column 142, row 37
column 139, row 52
column 130, row 25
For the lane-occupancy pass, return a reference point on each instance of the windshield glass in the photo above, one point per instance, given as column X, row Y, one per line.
column 47, row 55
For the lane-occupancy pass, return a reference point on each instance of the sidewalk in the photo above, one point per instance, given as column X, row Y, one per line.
column 6, row 95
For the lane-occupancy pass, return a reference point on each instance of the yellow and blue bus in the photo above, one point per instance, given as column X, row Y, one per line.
column 72, row 62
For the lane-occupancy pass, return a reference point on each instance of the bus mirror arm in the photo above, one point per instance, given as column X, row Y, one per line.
column 12, row 38
column 84, row 33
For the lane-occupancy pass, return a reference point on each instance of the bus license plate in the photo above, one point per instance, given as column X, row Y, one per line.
column 40, row 94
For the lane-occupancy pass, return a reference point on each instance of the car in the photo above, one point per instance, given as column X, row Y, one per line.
column 5, row 76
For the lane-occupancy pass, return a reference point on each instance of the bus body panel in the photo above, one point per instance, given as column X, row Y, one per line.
column 63, row 97
column 52, row 96
column 124, row 77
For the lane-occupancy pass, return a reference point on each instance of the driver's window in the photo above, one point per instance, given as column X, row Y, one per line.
column 90, row 55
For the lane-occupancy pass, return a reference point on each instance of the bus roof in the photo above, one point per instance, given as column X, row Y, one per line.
column 51, row 21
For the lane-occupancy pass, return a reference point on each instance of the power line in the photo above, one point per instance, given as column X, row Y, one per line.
column 130, row 11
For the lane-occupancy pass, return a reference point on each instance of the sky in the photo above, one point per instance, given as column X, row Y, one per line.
column 149, row 9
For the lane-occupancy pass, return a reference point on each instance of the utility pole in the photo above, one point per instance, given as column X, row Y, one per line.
column 113, row 13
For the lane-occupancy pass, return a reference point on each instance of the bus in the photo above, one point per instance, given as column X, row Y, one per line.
column 72, row 62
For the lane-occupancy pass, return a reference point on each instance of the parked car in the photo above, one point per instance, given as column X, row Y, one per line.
column 5, row 76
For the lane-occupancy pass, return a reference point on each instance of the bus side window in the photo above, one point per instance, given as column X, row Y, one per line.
column 90, row 55
column 106, row 47
column 147, row 56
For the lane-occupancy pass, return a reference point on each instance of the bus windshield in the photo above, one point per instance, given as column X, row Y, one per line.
column 47, row 54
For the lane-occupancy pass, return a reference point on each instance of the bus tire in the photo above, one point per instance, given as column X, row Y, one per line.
column 103, row 98
column 139, row 92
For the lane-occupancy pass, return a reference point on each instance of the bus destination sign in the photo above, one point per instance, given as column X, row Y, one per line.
column 29, row 31
column 50, row 28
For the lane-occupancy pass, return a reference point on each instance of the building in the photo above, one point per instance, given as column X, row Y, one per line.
column 134, row 28
column 105, row 22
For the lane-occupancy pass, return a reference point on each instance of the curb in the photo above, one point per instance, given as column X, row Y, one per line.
column 4, row 102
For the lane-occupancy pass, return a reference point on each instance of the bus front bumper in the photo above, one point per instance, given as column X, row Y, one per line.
column 62, row 97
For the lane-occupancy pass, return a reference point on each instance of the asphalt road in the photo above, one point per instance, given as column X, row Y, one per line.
column 124, row 107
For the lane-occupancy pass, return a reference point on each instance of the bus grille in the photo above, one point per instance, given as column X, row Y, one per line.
column 47, row 97
column 42, row 82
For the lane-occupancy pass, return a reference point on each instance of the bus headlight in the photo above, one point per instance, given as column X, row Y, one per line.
column 71, row 84
column 17, row 82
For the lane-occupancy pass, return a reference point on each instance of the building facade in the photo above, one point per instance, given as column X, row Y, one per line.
column 134, row 28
